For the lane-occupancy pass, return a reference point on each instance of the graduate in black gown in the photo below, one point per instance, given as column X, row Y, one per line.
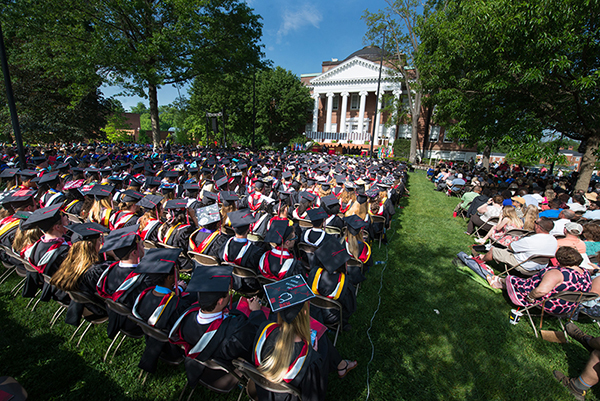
column 161, row 304
column 210, row 329
column 176, row 231
column 331, row 205
column 279, row 263
column 331, row 281
column 208, row 239
column 294, row 349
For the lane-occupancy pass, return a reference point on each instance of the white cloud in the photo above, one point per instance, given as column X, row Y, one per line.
column 295, row 19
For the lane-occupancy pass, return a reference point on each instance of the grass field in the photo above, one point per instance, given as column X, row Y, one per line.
column 438, row 335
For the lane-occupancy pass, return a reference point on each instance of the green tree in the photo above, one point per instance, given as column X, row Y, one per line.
column 115, row 129
column 398, row 24
column 538, row 59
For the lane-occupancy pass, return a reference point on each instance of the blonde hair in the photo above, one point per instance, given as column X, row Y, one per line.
column 81, row 256
column 146, row 218
column 530, row 217
column 352, row 241
column 347, row 196
column 322, row 192
column 276, row 365
column 26, row 238
column 510, row 213
column 225, row 210
column 95, row 213
column 358, row 209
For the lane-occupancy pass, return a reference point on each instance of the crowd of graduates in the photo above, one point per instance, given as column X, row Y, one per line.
column 536, row 237
column 187, row 241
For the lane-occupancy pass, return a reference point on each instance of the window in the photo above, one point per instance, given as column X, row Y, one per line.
column 434, row 133
column 405, row 131
column 446, row 139
column 354, row 101
column 336, row 102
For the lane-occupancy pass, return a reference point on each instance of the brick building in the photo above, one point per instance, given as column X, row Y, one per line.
column 346, row 102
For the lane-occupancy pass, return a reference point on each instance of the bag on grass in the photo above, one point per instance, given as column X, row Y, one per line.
column 478, row 267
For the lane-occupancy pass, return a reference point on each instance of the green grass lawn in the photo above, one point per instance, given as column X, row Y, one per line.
column 467, row 350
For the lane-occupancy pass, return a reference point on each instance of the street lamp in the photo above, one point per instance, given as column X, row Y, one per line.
column 377, row 98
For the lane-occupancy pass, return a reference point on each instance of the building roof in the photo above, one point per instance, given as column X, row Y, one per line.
column 372, row 53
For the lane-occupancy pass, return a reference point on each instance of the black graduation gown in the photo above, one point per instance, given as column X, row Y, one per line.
column 35, row 280
column 313, row 237
column 326, row 287
column 180, row 239
column 74, row 207
column 145, row 306
column 7, row 236
column 233, row 339
column 214, row 248
column 87, row 285
column 271, row 266
column 249, row 260
column 312, row 379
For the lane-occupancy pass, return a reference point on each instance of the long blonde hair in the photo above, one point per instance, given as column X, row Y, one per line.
column 347, row 196
column 352, row 241
column 276, row 365
column 322, row 192
column 81, row 256
column 95, row 213
column 510, row 213
column 358, row 209
column 26, row 238
column 530, row 217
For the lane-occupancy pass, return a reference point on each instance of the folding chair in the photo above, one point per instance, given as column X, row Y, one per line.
column 325, row 303
column 256, row 378
column 493, row 221
column 73, row 218
column 83, row 298
column 379, row 219
column 122, row 310
column 308, row 251
column 335, row 231
column 305, row 223
column 357, row 263
column 455, row 190
column 568, row 296
column 514, row 232
column 218, row 377
column 149, row 244
column 539, row 259
column 204, row 260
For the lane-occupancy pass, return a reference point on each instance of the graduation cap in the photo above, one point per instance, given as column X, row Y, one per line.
column 259, row 184
column 22, row 195
column 288, row 296
column 211, row 195
column 221, row 182
column 105, row 171
column 44, row 218
column 101, row 191
column 349, row 185
column 39, row 159
column 174, row 204
column 211, row 283
column 241, row 218
column 171, row 174
column 167, row 186
column 279, row 232
column 191, row 186
column 317, row 215
column 121, row 241
column 49, row 177
column 131, row 196
column 27, row 173
column 361, row 198
column 325, row 186
column 308, row 196
column 86, row 231
column 330, row 200
column 332, row 255
column 355, row 224
column 152, row 182
column 372, row 193
column 138, row 166
column 208, row 215
column 158, row 261
column 227, row 197
column 9, row 172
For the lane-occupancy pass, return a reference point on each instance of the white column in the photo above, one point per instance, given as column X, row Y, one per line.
column 316, row 97
column 329, row 111
column 342, row 127
column 397, row 93
column 378, row 118
column 361, row 113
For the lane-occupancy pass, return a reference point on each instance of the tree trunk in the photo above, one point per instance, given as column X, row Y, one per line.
column 153, row 98
column 486, row 157
column 588, row 163
column 413, row 138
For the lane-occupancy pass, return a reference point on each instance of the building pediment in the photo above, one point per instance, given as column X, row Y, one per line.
column 353, row 71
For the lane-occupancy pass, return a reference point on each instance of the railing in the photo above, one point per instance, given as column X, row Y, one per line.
column 339, row 136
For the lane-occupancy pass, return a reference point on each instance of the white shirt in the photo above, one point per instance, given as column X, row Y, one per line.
column 537, row 244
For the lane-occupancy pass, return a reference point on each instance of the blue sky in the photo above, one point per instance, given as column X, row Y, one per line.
column 298, row 35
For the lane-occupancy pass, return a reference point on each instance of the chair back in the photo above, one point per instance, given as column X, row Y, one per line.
column 377, row 219
column 118, row 308
column 307, row 248
column 149, row 244
column 73, row 218
column 576, row 296
column 249, row 371
column 204, row 260
column 83, row 298
column 255, row 237
column 333, row 230
column 305, row 223
column 150, row 331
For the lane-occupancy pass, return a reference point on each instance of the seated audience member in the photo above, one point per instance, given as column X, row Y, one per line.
column 128, row 209
column 161, row 304
column 508, row 221
column 357, row 248
column 47, row 254
column 553, row 211
column 279, row 262
column 577, row 203
column 315, row 235
column 466, row 199
column 209, row 329
column 519, row 205
column 150, row 221
column 80, row 270
column 591, row 235
column 572, row 231
column 330, row 281
column 288, row 351
column 331, row 205
column 178, row 228
column 593, row 211
column 564, row 217
column 541, row 243
column 531, row 216
column 568, row 276
column 485, row 212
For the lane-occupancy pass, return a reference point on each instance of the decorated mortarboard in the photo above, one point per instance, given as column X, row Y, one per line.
column 167, row 186
column 115, row 178
column 131, row 196
column 121, row 241
column 372, row 193
column 330, row 200
column 9, row 172
column 176, row 204
column 44, row 218
column 21, row 195
column 158, row 261
column 279, row 232
column 288, row 296
column 208, row 215
column 316, row 214
column 101, row 191
column 227, row 197
column 210, row 282
column 49, row 177
column 355, row 224
column 332, row 254
column 240, row 218
column 308, row 196
column 27, row 173
column 86, row 231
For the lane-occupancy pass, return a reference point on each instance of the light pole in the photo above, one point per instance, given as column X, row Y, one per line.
column 377, row 98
